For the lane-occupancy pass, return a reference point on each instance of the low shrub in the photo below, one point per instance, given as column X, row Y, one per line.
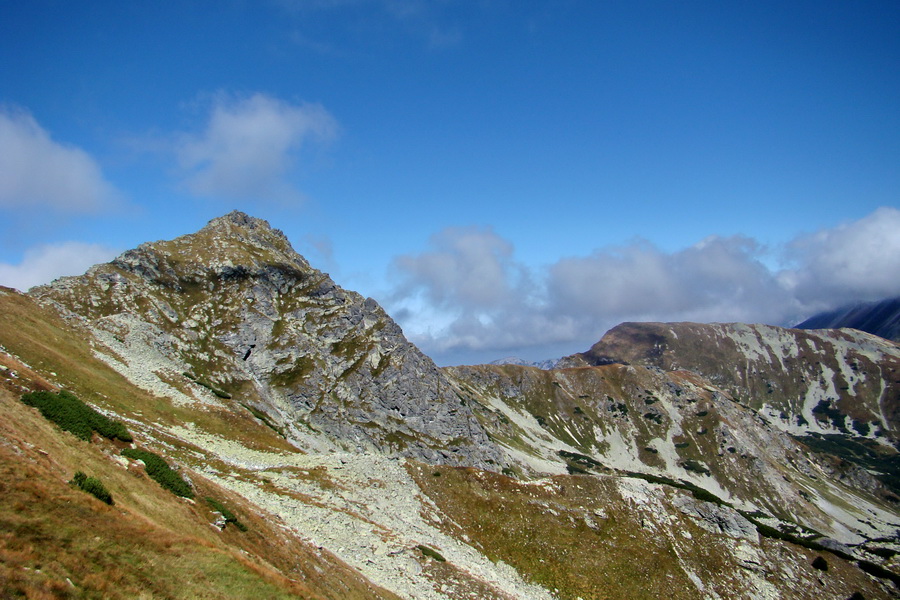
column 91, row 485
column 160, row 471
column 879, row 571
column 694, row 466
column 265, row 419
column 220, row 393
column 72, row 415
column 227, row 514
column 431, row 553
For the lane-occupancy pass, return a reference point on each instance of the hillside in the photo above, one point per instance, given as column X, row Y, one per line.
column 361, row 470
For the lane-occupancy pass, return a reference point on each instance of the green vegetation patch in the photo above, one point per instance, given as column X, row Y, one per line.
column 828, row 412
column 74, row 416
column 579, row 463
column 868, row 454
column 431, row 553
column 694, row 466
column 220, row 393
column 696, row 491
column 92, row 486
column 160, row 471
column 266, row 420
column 227, row 514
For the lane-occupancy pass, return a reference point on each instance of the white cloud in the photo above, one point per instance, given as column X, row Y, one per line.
column 36, row 171
column 250, row 146
column 470, row 294
column 43, row 264
column 719, row 279
column 852, row 262
column 469, row 268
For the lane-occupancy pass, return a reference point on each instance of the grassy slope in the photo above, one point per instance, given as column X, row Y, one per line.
column 149, row 544
column 541, row 531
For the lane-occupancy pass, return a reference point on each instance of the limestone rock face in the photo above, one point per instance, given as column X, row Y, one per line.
column 233, row 308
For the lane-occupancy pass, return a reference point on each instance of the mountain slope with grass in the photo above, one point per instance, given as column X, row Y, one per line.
column 261, row 432
column 58, row 541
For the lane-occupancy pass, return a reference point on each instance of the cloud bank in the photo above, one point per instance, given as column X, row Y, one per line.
column 250, row 146
column 38, row 172
column 469, row 294
column 42, row 264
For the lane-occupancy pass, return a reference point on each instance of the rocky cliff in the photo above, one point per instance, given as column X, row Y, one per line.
column 234, row 310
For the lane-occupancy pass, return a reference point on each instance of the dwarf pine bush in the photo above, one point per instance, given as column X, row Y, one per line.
column 160, row 471
column 74, row 416
column 226, row 514
column 92, row 486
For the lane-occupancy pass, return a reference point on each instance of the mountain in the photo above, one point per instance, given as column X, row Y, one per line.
column 691, row 461
column 515, row 360
column 879, row 318
column 751, row 414
column 802, row 380
column 234, row 307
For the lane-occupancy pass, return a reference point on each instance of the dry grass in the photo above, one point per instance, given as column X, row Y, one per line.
column 50, row 345
column 149, row 544
column 515, row 522
column 540, row 530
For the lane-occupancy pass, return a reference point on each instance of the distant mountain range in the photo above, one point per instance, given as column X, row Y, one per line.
column 880, row 318
column 549, row 363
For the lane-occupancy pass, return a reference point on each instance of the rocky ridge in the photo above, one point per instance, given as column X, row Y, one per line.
column 823, row 381
column 234, row 309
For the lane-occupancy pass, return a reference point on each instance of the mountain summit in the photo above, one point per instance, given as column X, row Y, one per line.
column 235, row 307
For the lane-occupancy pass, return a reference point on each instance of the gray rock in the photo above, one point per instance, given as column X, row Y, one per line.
column 236, row 306
column 717, row 519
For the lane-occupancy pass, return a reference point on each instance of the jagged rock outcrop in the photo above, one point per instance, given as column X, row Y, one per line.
column 716, row 518
column 235, row 309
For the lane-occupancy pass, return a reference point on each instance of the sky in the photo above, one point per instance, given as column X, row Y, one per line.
column 506, row 177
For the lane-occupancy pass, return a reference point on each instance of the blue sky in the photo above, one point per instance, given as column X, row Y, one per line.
column 506, row 178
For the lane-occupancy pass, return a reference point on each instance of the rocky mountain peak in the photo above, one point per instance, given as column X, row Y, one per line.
column 240, row 226
column 234, row 306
